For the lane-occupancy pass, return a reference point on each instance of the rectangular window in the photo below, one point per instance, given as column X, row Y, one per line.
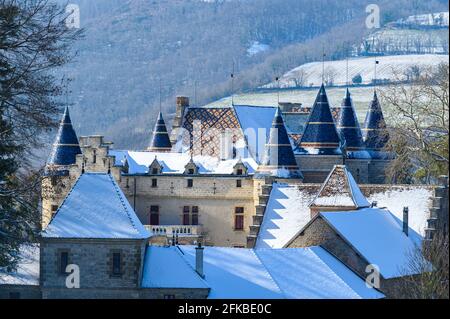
column 239, row 218
column 154, row 215
column 186, row 215
column 239, row 171
column 54, row 208
column 154, row 182
column 190, row 183
column 194, row 217
column 54, row 180
column 116, row 264
column 63, row 262
column 239, row 222
column 238, row 183
column 191, row 171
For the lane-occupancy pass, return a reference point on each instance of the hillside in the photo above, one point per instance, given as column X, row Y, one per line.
column 397, row 67
column 191, row 47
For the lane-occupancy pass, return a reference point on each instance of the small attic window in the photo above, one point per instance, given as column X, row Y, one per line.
column 239, row 171
column 191, row 171
column 155, row 171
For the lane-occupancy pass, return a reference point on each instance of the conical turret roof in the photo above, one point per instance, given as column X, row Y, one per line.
column 66, row 146
column 374, row 132
column 160, row 140
column 320, row 135
column 348, row 125
column 278, row 154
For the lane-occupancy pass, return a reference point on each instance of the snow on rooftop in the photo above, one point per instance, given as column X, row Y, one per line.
column 165, row 267
column 417, row 198
column 286, row 213
column 340, row 190
column 27, row 272
column 95, row 208
column 234, row 273
column 312, row 272
column 295, row 273
column 255, row 123
column 377, row 235
column 174, row 163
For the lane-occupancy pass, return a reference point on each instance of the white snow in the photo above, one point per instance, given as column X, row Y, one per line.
column 286, row 213
column 377, row 235
column 165, row 267
column 96, row 208
column 27, row 272
column 341, row 190
column 418, row 199
column 255, row 122
column 256, row 48
column 295, row 273
column 174, row 163
column 234, row 273
column 387, row 68
column 431, row 19
column 313, row 273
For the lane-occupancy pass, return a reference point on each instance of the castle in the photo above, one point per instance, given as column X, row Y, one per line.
column 249, row 187
column 209, row 177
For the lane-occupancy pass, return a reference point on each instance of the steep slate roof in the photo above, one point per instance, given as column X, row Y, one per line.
column 278, row 154
column 374, row 131
column 160, row 139
column 320, row 135
column 27, row 272
column 66, row 146
column 95, row 208
column 377, row 235
column 348, row 126
column 261, row 273
column 340, row 190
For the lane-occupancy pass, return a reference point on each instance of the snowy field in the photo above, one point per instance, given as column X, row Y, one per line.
column 389, row 67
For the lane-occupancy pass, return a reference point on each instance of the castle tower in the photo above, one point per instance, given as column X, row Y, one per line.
column 319, row 147
column 279, row 159
column 375, row 133
column 320, row 136
column 57, row 180
column 160, row 140
column 348, row 125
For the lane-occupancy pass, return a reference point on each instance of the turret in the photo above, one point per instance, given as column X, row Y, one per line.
column 374, row 132
column 160, row 140
column 320, row 136
column 279, row 159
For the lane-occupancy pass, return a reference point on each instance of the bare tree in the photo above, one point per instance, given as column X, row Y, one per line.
column 418, row 115
column 430, row 265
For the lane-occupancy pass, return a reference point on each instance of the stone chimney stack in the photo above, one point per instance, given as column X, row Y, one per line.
column 182, row 104
column 199, row 260
column 405, row 220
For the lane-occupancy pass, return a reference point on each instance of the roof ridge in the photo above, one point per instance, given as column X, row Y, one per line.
column 254, row 251
column 119, row 193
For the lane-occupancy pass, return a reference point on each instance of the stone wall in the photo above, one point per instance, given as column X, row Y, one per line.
column 216, row 198
column 94, row 258
column 315, row 168
column 20, row 292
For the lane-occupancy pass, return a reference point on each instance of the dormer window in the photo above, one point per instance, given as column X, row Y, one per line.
column 154, row 171
column 191, row 171
column 239, row 171
column 191, row 168
column 240, row 168
column 155, row 168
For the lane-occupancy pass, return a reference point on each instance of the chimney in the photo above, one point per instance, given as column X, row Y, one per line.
column 182, row 104
column 405, row 220
column 199, row 260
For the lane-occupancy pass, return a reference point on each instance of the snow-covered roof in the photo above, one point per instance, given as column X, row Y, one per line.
column 255, row 122
column 418, row 198
column 378, row 236
column 27, row 271
column 241, row 273
column 95, row 208
column 340, row 190
column 174, row 163
column 162, row 263
column 286, row 213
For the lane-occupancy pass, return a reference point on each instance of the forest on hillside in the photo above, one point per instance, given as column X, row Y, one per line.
column 192, row 46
